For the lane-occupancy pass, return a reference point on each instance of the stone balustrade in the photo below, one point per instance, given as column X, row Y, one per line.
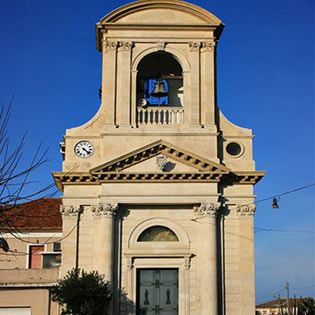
column 160, row 115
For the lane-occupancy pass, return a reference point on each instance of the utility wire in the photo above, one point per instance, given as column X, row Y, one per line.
column 264, row 297
column 285, row 193
column 280, row 230
column 311, row 286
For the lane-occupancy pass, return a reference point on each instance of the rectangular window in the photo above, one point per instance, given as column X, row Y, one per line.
column 51, row 260
column 35, row 256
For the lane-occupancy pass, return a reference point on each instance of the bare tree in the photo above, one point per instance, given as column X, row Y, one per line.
column 14, row 177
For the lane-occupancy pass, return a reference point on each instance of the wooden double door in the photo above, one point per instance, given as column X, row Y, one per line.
column 157, row 292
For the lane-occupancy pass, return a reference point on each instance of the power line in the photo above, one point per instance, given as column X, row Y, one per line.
column 264, row 297
column 283, row 230
column 311, row 286
column 285, row 193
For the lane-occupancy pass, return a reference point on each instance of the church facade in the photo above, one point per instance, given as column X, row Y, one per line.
column 159, row 184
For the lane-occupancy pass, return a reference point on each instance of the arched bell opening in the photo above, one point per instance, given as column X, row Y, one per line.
column 160, row 92
column 159, row 80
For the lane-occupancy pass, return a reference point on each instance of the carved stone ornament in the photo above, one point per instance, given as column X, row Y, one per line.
column 207, row 210
column 106, row 209
column 160, row 45
column 109, row 45
column 126, row 45
column 209, row 45
column 194, row 46
column 246, row 210
column 70, row 210
column 161, row 161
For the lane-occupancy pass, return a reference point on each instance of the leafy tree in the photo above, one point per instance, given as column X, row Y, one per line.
column 306, row 306
column 82, row 293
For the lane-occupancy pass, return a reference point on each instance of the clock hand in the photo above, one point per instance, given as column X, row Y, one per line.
column 88, row 152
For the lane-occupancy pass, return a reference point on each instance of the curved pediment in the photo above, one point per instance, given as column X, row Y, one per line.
column 161, row 12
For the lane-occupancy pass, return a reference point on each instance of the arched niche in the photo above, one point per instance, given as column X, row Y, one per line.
column 181, row 235
column 157, row 233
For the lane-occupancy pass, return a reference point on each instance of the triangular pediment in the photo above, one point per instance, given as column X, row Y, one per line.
column 159, row 161
column 147, row 159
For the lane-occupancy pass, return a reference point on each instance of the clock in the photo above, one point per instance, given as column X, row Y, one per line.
column 84, row 149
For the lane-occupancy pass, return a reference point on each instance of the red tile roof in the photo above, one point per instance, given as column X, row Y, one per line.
column 275, row 303
column 39, row 214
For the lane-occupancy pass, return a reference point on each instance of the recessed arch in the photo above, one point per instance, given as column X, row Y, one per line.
column 181, row 234
column 177, row 55
column 157, row 233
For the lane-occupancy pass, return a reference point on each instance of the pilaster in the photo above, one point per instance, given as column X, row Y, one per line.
column 69, row 225
column 109, row 80
column 103, row 238
column 206, row 218
column 246, row 255
column 194, row 53
column 208, row 78
column 124, row 83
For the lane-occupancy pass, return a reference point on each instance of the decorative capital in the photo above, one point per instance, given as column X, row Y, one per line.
column 126, row 45
column 194, row 46
column 109, row 45
column 106, row 209
column 246, row 210
column 208, row 210
column 70, row 210
column 209, row 45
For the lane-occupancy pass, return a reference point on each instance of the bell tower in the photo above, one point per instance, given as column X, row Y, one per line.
column 159, row 184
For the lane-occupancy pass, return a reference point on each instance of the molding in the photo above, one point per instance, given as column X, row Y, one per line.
column 48, row 234
column 28, row 285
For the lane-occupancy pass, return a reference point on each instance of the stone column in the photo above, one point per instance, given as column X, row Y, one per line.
column 208, row 78
column 245, row 214
column 103, row 239
column 206, row 216
column 109, row 81
column 69, row 224
column 195, row 83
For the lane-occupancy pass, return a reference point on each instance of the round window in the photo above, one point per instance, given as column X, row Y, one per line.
column 234, row 149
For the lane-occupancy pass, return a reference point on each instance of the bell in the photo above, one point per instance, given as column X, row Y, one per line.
column 159, row 89
column 274, row 204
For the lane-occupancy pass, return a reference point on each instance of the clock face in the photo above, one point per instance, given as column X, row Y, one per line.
column 84, row 149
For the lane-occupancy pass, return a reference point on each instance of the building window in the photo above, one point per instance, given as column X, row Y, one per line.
column 51, row 260
column 35, row 256
column 158, row 234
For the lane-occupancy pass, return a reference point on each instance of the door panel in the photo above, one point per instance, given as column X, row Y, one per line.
column 157, row 291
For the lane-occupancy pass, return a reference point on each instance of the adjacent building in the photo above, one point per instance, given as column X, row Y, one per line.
column 33, row 232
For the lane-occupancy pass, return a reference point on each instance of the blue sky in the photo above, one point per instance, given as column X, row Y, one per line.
column 48, row 58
